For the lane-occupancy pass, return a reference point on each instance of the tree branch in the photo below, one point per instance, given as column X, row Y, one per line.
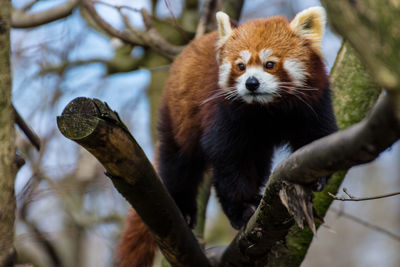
column 94, row 126
column 371, row 28
column 29, row 133
column 150, row 38
column 21, row 19
column 7, row 148
column 88, row 4
column 353, row 198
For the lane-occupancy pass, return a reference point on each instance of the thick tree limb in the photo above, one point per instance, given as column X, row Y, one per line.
column 371, row 27
column 7, row 147
column 22, row 19
column 94, row 126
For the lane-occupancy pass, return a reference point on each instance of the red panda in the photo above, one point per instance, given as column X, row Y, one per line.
column 234, row 95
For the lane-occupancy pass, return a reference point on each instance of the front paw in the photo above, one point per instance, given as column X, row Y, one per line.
column 241, row 217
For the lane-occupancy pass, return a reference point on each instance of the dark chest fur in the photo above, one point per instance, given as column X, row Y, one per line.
column 242, row 132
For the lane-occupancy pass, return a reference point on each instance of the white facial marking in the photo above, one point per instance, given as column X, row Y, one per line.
column 264, row 54
column 246, row 55
column 296, row 71
column 268, row 85
column 224, row 71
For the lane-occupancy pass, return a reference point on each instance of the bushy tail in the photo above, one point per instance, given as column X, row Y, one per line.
column 137, row 246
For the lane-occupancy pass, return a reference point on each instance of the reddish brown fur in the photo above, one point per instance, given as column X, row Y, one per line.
column 275, row 34
column 184, row 98
column 198, row 61
column 189, row 115
column 137, row 246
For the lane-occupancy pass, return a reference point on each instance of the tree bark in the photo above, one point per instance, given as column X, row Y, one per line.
column 21, row 19
column 94, row 126
column 7, row 148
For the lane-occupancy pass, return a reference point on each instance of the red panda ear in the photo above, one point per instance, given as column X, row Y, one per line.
column 224, row 27
column 310, row 23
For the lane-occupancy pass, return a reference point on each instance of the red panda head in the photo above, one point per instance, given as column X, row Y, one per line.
column 266, row 60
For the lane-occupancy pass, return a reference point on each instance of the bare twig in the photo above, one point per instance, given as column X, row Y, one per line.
column 367, row 224
column 154, row 18
column 353, row 198
column 21, row 19
column 118, row 7
column 156, row 41
column 29, row 5
column 150, row 38
column 29, row 133
column 42, row 239
column 88, row 4
column 175, row 21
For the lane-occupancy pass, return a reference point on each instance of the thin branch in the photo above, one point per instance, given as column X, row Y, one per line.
column 88, row 4
column 204, row 17
column 29, row 133
column 151, row 38
column 21, row 19
column 29, row 5
column 353, row 198
column 42, row 239
column 153, row 17
column 175, row 21
column 367, row 224
column 118, row 7
column 156, row 41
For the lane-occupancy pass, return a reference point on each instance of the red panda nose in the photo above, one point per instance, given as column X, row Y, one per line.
column 252, row 84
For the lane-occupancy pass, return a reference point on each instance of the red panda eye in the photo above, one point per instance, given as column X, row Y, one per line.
column 269, row 65
column 241, row 67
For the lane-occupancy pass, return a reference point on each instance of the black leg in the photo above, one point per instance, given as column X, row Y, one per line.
column 181, row 173
column 238, row 189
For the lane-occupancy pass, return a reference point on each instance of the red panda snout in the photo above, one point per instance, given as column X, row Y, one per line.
column 274, row 75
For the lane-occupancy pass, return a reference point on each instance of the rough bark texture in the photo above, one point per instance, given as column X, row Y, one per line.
column 371, row 27
column 7, row 149
column 94, row 126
